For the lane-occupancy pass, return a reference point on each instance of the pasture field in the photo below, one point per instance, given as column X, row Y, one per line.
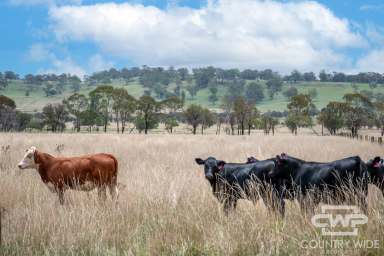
column 167, row 207
column 327, row 92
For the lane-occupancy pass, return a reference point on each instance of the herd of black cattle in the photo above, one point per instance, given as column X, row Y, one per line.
column 286, row 177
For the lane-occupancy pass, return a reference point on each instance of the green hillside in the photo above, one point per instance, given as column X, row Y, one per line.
column 326, row 92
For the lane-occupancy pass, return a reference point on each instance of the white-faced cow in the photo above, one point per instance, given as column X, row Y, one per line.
column 83, row 173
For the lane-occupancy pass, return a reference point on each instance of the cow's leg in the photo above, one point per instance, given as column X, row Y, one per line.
column 102, row 192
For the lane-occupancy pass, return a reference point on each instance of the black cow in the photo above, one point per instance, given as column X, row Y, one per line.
column 300, row 177
column 376, row 172
column 232, row 181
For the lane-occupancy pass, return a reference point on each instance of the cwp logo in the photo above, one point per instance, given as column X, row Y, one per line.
column 339, row 220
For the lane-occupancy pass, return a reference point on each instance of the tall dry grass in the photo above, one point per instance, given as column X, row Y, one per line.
column 167, row 207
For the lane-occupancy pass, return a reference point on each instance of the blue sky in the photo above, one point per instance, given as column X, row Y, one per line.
column 85, row 36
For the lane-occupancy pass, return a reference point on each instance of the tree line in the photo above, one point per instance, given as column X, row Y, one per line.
column 105, row 105
column 162, row 83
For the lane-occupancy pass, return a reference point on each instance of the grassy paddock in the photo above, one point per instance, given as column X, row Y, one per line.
column 167, row 207
column 326, row 92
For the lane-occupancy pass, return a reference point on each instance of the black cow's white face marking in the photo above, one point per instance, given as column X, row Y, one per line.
column 28, row 160
column 211, row 166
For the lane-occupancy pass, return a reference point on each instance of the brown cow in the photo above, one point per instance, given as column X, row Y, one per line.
column 80, row 173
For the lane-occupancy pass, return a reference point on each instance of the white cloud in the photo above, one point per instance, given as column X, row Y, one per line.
column 372, row 62
column 44, row 2
column 375, row 34
column 248, row 33
column 45, row 53
column 65, row 65
column 38, row 52
column 97, row 63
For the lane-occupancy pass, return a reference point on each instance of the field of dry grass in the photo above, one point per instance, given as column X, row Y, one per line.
column 167, row 207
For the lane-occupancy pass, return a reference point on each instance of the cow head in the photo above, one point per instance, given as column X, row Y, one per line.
column 251, row 160
column 211, row 167
column 376, row 168
column 377, row 163
column 29, row 159
column 283, row 165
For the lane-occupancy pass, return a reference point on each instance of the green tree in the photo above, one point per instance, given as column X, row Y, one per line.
column 173, row 104
column 254, row 92
column 147, row 113
column 170, row 123
column 91, row 118
column 274, row 86
column 207, row 119
column 253, row 118
column 75, row 83
column 299, row 109
column 23, row 120
column 123, row 106
column 243, row 111
column 192, row 90
column 213, row 96
column 203, row 76
column 36, row 123
column 8, row 118
column 101, row 101
column 193, row 116
column 332, row 117
column 54, row 116
column 10, row 75
column 324, row 77
column 268, row 123
column 183, row 73
column 295, row 76
column 6, row 102
column 76, row 104
column 290, row 92
column 359, row 111
column 3, row 82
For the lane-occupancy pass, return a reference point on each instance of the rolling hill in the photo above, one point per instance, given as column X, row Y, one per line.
column 326, row 92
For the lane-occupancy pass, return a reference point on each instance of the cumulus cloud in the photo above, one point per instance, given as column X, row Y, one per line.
column 38, row 52
column 97, row 63
column 45, row 53
column 65, row 65
column 248, row 33
column 371, row 62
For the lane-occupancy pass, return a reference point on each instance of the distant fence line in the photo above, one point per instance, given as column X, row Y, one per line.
column 369, row 138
